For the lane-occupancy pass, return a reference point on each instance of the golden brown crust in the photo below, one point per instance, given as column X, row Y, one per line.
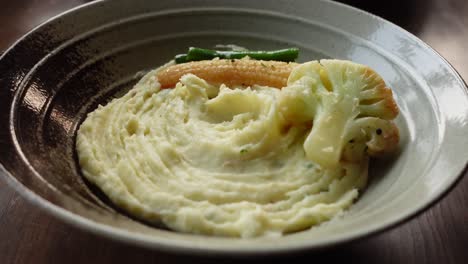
column 392, row 106
column 230, row 72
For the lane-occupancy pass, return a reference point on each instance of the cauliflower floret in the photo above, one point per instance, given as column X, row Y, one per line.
column 350, row 107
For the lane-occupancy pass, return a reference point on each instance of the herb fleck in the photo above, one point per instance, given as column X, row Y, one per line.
column 243, row 151
column 310, row 165
column 378, row 131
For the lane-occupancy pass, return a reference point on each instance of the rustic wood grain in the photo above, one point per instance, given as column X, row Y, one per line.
column 440, row 235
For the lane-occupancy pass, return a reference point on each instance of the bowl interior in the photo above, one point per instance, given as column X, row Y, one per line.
column 64, row 69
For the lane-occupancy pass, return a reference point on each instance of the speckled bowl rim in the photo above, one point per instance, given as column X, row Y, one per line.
column 171, row 246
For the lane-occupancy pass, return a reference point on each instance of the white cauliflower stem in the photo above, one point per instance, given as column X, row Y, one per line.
column 350, row 107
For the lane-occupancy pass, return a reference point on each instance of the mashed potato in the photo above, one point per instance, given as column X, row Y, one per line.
column 215, row 160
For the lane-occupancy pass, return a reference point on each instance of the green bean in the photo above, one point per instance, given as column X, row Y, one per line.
column 180, row 58
column 197, row 54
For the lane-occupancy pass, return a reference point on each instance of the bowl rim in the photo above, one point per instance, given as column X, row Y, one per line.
column 125, row 236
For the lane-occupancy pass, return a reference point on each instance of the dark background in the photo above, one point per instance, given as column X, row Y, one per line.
column 440, row 235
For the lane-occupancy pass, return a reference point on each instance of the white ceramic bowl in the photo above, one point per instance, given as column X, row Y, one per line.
column 62, row 69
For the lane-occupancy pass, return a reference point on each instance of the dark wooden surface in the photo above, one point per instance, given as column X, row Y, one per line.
column 440, row 235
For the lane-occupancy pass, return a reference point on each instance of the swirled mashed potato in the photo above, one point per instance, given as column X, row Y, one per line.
column 213, row 160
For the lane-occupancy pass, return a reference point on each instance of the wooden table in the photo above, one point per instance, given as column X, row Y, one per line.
column 440, row 235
